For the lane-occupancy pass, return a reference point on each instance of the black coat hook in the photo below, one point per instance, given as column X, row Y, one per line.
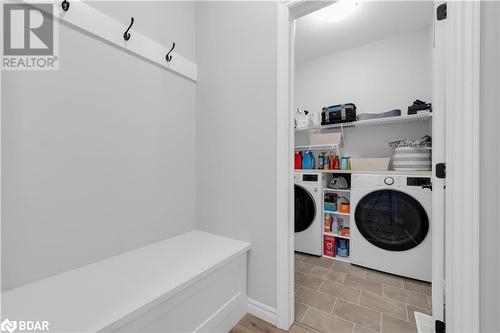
column 65, row 5
column 168, row 57
column 126, row 34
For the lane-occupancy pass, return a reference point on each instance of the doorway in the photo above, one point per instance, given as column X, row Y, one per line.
column 290, row 23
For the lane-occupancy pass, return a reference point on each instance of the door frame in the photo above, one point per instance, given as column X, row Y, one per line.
column 462, row 140
column 462, row 174
column 287, row 12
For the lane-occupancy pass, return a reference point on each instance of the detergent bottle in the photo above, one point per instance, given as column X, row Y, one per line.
column 307, row 160
column 298, row 160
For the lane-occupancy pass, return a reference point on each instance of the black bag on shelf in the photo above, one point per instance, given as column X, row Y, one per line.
column 419, row 107
column 341, row 113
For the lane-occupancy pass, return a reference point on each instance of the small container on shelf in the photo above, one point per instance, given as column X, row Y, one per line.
column 330, row 202
column 335, row 225
column 345, row 163
column 329, row 246
column 298, row 160
column 345, row 208
column 330, row 206
column 345, row 232
column 328, row 223
column 342, row 247
column 326, row 161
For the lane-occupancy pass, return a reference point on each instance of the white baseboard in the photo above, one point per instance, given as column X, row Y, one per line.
column 262, row 311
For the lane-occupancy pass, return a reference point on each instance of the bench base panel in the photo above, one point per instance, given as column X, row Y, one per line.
column 214, row 303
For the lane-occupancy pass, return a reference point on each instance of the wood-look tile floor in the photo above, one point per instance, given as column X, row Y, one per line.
column 332, row 296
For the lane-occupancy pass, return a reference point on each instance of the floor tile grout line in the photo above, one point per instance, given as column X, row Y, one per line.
column 405, row 305
column 321, row 285
column 381, row 317
column 308, row 327
column 415, row 305
column 305, row 312
column 322, row 292
column 393, row 300
column 364, row 307
column 407, row 321
column 333, row 307
column 407, row 312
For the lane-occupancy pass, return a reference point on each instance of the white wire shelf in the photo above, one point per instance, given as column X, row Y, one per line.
column 317, row 147
column 372, row 122
column 335, row 235
column 337, row 190
column 336, row 213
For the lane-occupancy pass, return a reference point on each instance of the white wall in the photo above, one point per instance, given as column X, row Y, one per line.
column 98, row 157
column 236, row 131
column 489, row 272
column 377, row 77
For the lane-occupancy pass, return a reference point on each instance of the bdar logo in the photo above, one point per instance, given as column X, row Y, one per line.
column 8, row 326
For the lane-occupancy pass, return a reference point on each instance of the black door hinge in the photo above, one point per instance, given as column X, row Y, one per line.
column 440, row 326
column 441, row 170
column 442, row 11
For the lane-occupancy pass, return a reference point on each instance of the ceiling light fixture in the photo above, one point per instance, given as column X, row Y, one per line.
column 337, row 11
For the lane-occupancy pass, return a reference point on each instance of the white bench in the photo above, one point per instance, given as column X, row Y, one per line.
column 194, row 282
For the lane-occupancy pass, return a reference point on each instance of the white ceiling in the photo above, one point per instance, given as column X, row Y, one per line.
column 371, row 21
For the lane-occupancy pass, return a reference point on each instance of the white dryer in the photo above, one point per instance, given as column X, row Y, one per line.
column 392, row 231
column 308, row 214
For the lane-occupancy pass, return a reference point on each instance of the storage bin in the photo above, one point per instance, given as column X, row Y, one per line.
column 329, row 246
column 340, row 113
column 370, row 164
column 342, row 247
column 412, row 159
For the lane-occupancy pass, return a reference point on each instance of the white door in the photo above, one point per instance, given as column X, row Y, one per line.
column 438, row 156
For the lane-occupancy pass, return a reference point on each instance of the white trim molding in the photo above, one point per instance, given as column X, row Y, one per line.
column 287, row 12
column 462, row 174
column 299, row 8
column 284, row 174
column 262, row 311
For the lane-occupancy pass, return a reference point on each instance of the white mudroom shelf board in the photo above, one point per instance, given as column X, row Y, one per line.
column 373, row 122
column 91, row 20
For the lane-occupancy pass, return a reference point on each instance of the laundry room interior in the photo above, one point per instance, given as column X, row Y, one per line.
column 363, row 146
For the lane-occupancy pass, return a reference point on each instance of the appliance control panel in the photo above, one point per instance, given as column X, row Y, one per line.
column 311, row 178
column 418, row 181
column 391, row 181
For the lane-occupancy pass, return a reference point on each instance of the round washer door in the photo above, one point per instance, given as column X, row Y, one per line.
column 391, row 220
column 305, row 209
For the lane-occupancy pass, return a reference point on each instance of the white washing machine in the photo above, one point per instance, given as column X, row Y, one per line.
column 391, row 230
column 308, row 212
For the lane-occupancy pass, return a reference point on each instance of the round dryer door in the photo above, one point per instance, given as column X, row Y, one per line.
column 305, row 209
column 391, row 220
